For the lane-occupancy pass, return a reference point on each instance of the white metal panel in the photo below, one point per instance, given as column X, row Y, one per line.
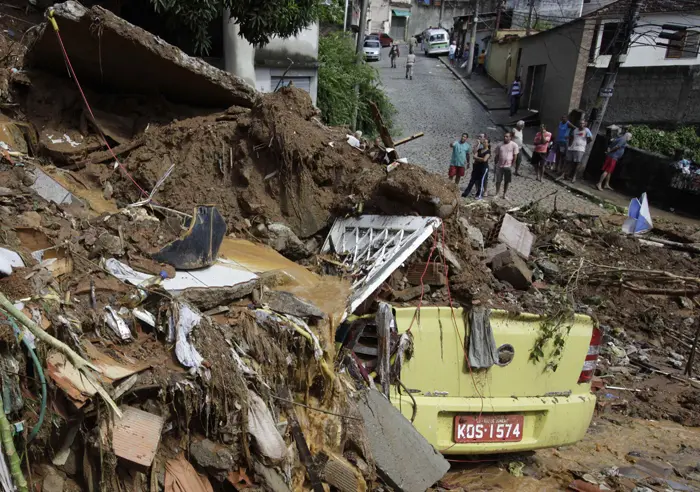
column 373, row 246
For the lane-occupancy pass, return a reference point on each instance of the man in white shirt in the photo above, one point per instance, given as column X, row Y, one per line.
column 452, row 52
column 579, row 138
column 518, row 139
column 410, row 61
column 506, row 154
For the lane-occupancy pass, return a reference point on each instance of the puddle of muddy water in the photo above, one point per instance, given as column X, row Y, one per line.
column 607, row 445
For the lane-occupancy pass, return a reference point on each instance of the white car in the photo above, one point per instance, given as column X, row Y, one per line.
column 372, row 49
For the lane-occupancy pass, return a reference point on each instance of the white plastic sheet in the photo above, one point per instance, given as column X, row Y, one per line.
column 8, row 260
column 262, row 427
column 186, row 353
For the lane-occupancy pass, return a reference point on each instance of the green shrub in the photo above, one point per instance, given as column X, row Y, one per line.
column 337, row 76
column 666, row 142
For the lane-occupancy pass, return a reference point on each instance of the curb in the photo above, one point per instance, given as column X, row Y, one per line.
column 464, row 83
column 589, row 195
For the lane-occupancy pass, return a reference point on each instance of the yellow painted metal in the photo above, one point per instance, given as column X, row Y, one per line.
column 557, row 409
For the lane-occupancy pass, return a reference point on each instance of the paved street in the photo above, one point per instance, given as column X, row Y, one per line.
column 435, row 102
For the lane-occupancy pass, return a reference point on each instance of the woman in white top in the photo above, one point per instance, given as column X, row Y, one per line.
column 518, row 139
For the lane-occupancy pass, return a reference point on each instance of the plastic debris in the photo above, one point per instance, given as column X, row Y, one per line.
column 117, row 324
column 262, row 427
column 186, row 353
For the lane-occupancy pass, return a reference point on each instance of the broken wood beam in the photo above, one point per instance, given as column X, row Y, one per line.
column 408, row 139
column 383, row 132
column 105, row 155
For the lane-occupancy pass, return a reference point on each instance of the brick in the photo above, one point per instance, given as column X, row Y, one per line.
column 509, row 267
column 434, row 275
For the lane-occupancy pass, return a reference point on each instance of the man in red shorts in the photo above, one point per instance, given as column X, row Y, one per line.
column 460, row 153
column 613, row 154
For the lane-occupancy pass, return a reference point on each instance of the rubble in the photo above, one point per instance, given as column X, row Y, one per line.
column 509, row 267
column 230, row 375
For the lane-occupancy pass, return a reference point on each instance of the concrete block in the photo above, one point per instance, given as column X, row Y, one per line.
column 490, row 253
column 405, row 460
column 515, row 235
column 509, row 267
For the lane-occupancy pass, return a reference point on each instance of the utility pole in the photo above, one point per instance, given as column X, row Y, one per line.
column 360, row 57
column 361, row 28
column 528, row 28
column 606, row 87
column 345, row 17
column 442, row 11
column 472, row 41
column 498, row 19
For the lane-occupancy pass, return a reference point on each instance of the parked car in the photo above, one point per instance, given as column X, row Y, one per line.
column 384, row 39
column 372, row 50
column 520, row 404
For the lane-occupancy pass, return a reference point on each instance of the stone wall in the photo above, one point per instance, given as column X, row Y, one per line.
column 652, row 95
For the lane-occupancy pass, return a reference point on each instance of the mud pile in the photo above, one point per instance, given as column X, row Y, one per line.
column 275, row 163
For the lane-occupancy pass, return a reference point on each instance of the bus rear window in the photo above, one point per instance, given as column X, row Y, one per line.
column 437, row 37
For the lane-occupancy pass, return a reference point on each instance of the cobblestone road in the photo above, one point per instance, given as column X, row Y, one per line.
column 435, row 102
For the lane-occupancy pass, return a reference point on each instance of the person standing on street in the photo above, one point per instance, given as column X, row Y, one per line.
column 517, row 133
column 514, row 93
column 394, row 54
column 410, row 61
column 452, row 52
column 613, row 154
column 506, row 154
column 539, row 157
column 480, row 171
column 460, row 152
column 562, row 142
column 481, row 67
column 579, row 138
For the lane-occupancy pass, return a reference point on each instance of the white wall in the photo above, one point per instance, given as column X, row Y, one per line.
column 381, row 16
column 301, row 47
column 263, row 76
column 643, row 52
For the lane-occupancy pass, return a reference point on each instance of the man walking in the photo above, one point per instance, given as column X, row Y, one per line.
column 506, row 154
column 518, row 138
column 579, row 138
column 514, row 93
column 452, row 52
column 410, row 61
column 539, row 156
column 394, row 54
column 614, row 153
column 460, row 151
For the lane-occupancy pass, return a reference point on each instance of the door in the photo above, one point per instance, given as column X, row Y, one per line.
column 398, row 28
column 534, row 87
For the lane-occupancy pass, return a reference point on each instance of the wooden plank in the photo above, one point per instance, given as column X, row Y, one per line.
column 383, row 132
column 135, row 437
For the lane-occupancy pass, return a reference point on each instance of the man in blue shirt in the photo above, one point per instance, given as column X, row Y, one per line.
column 460, row 151
column 562, row 142
column 614, row 153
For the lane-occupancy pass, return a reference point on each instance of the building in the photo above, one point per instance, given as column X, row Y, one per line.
column 278, row 63
column 402, row 19
column 562, row 67
column 546, row 13
column 502, row 63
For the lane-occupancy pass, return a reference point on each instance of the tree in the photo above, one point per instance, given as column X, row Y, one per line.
column 259, row 20
column 337, row 76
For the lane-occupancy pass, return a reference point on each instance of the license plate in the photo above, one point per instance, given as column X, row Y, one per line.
column 489, row 428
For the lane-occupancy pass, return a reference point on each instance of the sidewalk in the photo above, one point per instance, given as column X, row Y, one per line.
column 487, row 91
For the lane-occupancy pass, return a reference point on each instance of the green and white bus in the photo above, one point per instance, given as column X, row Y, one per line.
column 436, row 42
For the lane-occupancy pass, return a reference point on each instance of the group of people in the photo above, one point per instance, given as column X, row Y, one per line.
column 394, row 53
column 563, row 154
column 479, row 60
column 506, row 154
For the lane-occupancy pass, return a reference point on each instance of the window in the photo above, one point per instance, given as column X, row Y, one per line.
column 372, row 44
column 613, row 38
column 437, row 37
column 684, row 46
